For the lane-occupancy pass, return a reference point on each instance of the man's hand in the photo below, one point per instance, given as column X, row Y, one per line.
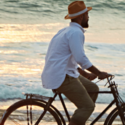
column 103, row 75
column 91, row 76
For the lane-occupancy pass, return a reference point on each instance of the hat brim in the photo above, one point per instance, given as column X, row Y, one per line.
column 67, row 16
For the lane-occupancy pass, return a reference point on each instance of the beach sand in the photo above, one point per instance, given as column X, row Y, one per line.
column 71, row 108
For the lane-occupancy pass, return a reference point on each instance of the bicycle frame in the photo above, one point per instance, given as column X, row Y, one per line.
column 100, row 115
column 113, row 91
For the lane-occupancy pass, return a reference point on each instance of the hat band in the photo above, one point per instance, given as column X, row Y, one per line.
column 79, row 13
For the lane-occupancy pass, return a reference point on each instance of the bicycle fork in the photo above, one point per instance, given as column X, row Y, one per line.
column 121, row 114
column 119, row 103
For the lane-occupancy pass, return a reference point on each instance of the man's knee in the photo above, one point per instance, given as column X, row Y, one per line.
column 89, row 108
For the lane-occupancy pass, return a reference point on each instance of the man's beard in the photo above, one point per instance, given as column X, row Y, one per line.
column 85, row 24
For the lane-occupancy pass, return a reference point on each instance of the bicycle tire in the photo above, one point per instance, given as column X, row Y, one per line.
column 16, row 114
column 114, row 118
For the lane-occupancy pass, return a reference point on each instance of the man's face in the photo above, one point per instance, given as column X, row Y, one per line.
column 85, row 20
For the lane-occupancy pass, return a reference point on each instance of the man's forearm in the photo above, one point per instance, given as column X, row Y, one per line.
column 82, row 72
column 94, row 70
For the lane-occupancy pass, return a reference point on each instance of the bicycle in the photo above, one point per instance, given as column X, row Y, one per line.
column 47, row 110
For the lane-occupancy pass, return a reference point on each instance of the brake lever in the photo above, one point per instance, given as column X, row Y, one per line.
column 106, row 84
column 108, row 80
column 111, row 77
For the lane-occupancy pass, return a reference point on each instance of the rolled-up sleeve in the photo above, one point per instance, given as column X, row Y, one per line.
column 76, row 42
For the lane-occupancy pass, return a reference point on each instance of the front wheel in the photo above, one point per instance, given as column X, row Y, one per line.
column 17, row 114
column 114, row 118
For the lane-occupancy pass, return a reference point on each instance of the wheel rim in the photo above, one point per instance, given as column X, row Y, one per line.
column 19, row 116
column 117, row 120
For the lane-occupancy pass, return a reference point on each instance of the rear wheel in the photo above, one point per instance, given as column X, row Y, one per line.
column 17, row 114
column 114, row 118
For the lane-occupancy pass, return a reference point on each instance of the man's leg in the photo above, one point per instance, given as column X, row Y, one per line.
column 73, row 89
column 90, row 87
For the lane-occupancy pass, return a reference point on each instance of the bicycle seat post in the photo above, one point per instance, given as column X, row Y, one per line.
column 65, row 109
column 63, row 104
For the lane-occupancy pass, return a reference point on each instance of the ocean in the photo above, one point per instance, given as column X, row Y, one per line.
column 26, row 28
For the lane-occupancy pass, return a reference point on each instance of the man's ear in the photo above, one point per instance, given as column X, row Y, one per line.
column 81, row 17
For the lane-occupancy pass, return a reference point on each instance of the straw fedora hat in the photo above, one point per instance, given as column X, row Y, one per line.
column 76, row 9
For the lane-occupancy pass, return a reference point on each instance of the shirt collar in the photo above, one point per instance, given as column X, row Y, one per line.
column 76, row 24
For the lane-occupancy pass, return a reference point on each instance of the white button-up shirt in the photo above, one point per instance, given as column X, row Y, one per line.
column 64, row 54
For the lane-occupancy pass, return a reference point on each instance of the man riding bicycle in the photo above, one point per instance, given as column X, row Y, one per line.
column 66, row 64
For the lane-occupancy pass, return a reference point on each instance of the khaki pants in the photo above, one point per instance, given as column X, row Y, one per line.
column 75, row 89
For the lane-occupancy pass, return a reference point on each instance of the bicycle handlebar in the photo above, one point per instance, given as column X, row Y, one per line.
column 108, row 79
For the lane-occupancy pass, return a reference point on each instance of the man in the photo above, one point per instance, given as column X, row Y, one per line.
column 64, row 58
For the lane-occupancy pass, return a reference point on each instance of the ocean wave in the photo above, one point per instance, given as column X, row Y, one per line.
column 56, row 6
column 28, row 5
column 11, row 1
column 109, row 6
column 23, row 11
